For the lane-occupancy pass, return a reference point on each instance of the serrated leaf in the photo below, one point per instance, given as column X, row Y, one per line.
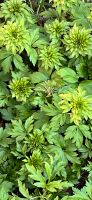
column 6, row 64
column 87, row 86
column 48, row 170
column 38, row 77
column 34, row 36
column 23, row 190
column 4, row 54
column 33, row 56
column 52, row 186
column 35, row 174
column 18, row 62
column 68, row 75
column 7, row 114
column 50, row 110
column 75, row 134
column 28, row 124
column 18, row 129
column 5, row 187
column 40, row 184
column 85, row 131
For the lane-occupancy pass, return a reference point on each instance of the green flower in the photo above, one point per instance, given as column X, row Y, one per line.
column 14, row 9
column 50, row 57
column 20, row 88
column 78, row 42
column 77, row 104
column 56, row 28
column 14, row 36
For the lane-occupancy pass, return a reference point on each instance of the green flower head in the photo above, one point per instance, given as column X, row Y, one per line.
column 77, row 104
column 20, row 88
column 56, row 28
column 14, row 36
column 14, row 9
column 50, row 57
column 78, row 42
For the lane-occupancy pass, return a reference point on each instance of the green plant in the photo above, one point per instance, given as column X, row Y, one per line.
column 15, row 9
column 77, row 105
column 78, row 42
column 14, row 36
column 45, row 100
column 20, row 88
column 56, row 28
column 50, row 57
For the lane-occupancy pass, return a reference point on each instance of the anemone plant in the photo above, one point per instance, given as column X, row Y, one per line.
column 14, row 36
column 14, row 9
column 20, row 89
column 56, row 28
column 78, row 42
column 50, row 57
column 77, row 105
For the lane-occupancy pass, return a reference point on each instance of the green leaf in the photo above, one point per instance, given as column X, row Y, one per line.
column 38, row 77
column 74, row 133
column 85, row 131
column 33, row 56
column 3, row 155
column 87, row 86
column 56, row 198
column 57, row 120
column 1, row 132
column 48, row 170
column 23, row 190
column 6, row 64
column 18, row 62
column 50, row 110
column 18, row 129
column 68, row 75
column 34, row 36
column 4, row 54
column 81, row 70
column 40, row 184
column 7, row 113
column 35, row 174
column 5, row 187
column 28, row 124
column 54, row 185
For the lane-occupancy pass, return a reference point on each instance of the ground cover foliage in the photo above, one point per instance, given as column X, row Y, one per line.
column 45, row 100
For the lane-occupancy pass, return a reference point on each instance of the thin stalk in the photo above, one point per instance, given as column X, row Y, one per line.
column 41, row 1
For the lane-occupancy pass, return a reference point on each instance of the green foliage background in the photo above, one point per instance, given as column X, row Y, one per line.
column 45, row 100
